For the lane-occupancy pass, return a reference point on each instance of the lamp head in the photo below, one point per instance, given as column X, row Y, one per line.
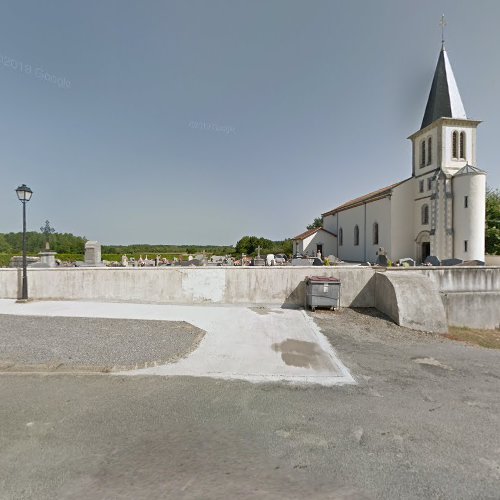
column 24, row 193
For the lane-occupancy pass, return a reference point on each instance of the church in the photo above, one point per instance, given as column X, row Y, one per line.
column 438, row 211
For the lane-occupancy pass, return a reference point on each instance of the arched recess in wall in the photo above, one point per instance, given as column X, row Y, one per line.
column 425, row 214
column 341, row 236
column 454, row 145
column 462, row 145
column 423, row 242
column 356, row 235
column 375, row 233
column 422, row 153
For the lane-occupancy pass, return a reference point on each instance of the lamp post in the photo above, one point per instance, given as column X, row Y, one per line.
column 24, row 194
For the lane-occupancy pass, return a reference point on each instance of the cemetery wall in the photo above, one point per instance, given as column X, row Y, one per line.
column 471, row 295
column 177, row 285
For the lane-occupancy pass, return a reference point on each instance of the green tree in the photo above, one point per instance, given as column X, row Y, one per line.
column 317, row 222
column 492, row 229
column 4, row 245
column 248, row 245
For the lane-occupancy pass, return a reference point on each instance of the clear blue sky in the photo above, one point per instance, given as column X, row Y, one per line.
column 313, row 99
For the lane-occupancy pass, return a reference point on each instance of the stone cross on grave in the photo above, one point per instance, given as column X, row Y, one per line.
column 258, row 251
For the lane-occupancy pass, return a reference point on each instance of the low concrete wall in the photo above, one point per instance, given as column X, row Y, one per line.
column 473, row 309
column 464, row 279
column 254, row 285
column 471, row 295
column 217, row 285
column 410, row 300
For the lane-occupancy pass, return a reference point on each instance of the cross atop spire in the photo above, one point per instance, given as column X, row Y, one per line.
column 442, row 23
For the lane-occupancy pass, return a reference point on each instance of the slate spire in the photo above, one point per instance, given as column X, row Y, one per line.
column 444, row 98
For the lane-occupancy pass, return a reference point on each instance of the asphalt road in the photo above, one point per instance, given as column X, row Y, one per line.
column 423, row 422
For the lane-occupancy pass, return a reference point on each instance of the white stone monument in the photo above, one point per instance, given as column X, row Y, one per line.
column 93, row 253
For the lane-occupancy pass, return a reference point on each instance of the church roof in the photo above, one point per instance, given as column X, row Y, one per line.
column 310, row 232
column 469, row 170
column 367, row 198
column 444, row 97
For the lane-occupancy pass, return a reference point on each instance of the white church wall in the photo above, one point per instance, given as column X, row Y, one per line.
column 423, row 182
column 402, row 221
column 330, row 223
column 364, row 216
column 469, row 221
column 378, row 212
column 420, row 169
column 417, row 215
column 448, row 163
column 348, row 219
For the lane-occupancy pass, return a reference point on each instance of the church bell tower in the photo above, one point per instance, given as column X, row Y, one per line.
column 449, row 188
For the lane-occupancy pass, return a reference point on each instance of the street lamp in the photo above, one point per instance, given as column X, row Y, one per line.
column 24, row 194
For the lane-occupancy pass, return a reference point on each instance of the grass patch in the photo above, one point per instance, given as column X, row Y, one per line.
column 483, row 338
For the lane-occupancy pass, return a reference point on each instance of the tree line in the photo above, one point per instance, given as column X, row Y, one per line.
column 35, row 242
column 67, row 243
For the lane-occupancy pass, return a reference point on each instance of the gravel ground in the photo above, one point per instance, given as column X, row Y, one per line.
column 40, row 343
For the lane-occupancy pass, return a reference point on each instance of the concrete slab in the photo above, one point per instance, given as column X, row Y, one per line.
column 257, row 344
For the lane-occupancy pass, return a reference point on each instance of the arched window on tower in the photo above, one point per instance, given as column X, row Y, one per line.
column 425, row 214
column 462, row 145
column 341, row 236
column 356, row 235
column 429, row 150
column 454, row 145
column 422, row 153
column 375, row 233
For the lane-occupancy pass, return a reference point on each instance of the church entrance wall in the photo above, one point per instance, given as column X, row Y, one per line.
column 423, row 242
column 426, row 250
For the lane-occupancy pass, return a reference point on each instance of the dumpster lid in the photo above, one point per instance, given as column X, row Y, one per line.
column 322, row 279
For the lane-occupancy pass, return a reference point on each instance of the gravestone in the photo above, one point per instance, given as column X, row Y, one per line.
column 382, row 257
column 382, row 260
column 432, row 260
column 17, row 261
column 92, row 253
column 47, row 259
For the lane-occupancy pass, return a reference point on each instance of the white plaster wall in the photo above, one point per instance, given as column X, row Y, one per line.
column 347, row 220
column 307, row 249
column 417, row 141
column 378, row 211
column 402, row 221
column 417, row 216
column 469, row 222
column 448, row 162
column 320, row 238
column 330, row 223
column 426, row 192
